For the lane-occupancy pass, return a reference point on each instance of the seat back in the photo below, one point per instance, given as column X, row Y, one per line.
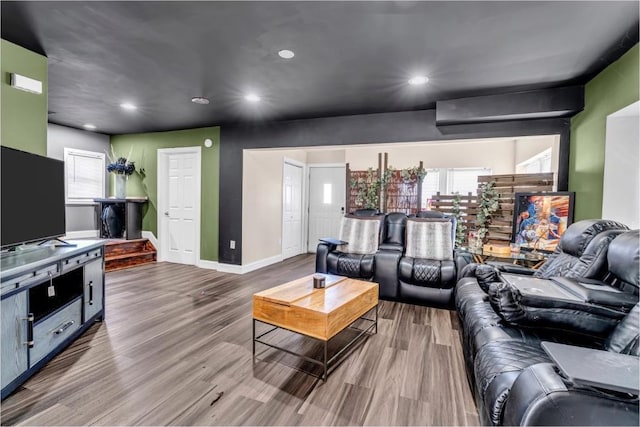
column 393, row 234
column 624, row 264
column 440, row 215
column 582, row 250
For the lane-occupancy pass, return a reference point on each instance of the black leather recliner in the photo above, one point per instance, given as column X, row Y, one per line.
column 331, row 260
column 582, row 252
column 381, row 266
column 511, row 374
column 429, row 281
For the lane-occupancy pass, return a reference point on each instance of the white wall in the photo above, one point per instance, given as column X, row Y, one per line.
column 621, row 186
column 325, row 156
column 262, row 202
column 262, row 177
column 78, row 217
column 497, row 155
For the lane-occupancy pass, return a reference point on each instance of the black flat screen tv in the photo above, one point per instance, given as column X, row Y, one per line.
column 540, row 219
column 32, row 198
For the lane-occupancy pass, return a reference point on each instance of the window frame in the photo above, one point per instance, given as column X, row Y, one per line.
column 75, row 153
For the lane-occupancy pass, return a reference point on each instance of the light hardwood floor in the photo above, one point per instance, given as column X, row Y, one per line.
column 175, row 349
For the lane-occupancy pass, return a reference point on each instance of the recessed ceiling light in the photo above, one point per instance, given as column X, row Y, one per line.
column 286, row 54
column 128, row 106
column 418, row 80
column 200, row 100
column 89, row 126
column 252, row 97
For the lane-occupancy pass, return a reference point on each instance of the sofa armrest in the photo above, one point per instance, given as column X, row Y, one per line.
column 386, row 272
column 332, row 241
column 322, row 252
column 540, row 396
column 507, row 267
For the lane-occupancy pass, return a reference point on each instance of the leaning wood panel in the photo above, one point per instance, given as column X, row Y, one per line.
column 507, row 185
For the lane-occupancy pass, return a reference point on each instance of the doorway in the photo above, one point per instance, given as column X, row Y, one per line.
column 327, row 185
column 179, row 204
column 292, row 203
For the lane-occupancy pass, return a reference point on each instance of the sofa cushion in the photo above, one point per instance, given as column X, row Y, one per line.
column 496, row 367
column 625, row 336
column 429, row 239
column 362, row 233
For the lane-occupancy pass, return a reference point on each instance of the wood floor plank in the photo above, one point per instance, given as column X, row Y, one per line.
column 175, row 349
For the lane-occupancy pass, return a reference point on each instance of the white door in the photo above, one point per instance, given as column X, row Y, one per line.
column 180, row 204
column 326, row 202
column 291, row 210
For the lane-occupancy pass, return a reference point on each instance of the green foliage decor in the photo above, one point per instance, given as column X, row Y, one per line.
column 367, row 190
column 488, row 205
column 457, row 213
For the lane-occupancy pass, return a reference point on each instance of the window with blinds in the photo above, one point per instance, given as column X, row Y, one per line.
column 450, row 181
column 430, row 186
column 464, row 180
column 84, row 176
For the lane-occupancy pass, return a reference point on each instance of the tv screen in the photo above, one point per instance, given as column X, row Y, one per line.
column 32, row 197
column 540, row 219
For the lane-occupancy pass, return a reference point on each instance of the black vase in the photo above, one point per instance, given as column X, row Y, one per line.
column 112, row 222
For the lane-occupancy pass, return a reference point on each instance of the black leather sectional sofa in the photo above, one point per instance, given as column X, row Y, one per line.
column 505, row 332
column 514, row 380
column 401, row 278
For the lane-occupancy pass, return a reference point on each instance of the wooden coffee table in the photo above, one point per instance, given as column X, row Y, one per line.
column 320, row 314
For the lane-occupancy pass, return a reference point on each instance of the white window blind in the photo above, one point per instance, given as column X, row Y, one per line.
column 465, row 180
column 84, row 175
column 430, row 186
column 540, row 163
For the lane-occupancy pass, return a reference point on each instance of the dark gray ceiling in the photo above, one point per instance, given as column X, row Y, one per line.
column 351, row 57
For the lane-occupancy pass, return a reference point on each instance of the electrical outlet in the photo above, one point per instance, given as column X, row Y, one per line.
column 232, row 244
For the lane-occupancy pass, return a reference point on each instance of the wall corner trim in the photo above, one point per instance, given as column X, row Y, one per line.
column 152, row 238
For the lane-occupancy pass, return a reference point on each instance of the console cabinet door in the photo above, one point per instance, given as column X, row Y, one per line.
column 14, row 337
column 93, row 288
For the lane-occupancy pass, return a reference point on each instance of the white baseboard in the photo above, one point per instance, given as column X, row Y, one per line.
column 230, row 268
column 206, row 264
column 81, row 234
column 238, row 269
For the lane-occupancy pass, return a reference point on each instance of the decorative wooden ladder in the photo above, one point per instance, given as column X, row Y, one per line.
column 121, row 254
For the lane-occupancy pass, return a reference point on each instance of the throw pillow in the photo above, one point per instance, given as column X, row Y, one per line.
column 362, row 233
column 429, row 239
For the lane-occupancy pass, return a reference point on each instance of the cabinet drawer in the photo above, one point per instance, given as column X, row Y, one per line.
column 37, row 276
column 71, row 263
column 51, row 332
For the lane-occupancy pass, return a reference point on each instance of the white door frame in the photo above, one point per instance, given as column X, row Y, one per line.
column 320, row 165
column 303, row 203
column 163, row 156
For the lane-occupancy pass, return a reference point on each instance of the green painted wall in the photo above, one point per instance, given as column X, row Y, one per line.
column 145, row 146
column 614, row 88
column 23, row 114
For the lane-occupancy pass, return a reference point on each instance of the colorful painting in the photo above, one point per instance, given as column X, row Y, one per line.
column 540, row 219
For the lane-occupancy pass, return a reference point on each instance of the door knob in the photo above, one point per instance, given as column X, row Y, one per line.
column 166, row 214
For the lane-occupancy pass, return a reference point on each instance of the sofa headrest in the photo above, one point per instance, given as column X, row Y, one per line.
column 624, row 257
column 431, row 214
column 365, row 212
column 578, row 235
